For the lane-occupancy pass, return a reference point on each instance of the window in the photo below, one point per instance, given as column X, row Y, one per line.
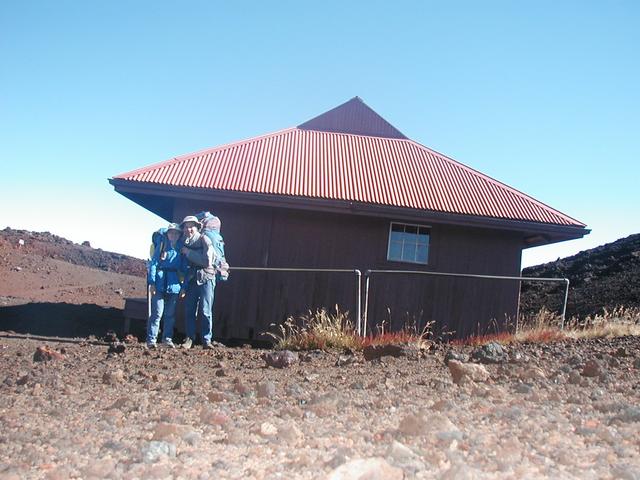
column 408, row 243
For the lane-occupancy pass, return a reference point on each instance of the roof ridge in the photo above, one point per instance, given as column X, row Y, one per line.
column 353, row 116
column 496, row 182
column 351, row 134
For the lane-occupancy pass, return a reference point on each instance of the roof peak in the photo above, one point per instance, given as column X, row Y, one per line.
column 354, row 117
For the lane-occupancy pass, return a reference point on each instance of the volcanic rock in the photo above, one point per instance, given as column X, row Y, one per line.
column 593, row 368
column 492, row 352
column 453, row 355
column 117, row 348
column 281, row 359
column 114, row 377
column 46, row 354
column 111, row 337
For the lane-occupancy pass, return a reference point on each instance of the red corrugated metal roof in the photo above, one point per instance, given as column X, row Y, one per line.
column 343, row 166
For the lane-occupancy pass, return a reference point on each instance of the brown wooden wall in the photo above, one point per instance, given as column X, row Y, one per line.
column 250, row 302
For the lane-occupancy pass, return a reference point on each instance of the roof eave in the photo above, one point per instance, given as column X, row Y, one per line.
column 533, row 233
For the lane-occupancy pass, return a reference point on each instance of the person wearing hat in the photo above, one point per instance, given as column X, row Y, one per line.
column 200, row 281
column 165, row 284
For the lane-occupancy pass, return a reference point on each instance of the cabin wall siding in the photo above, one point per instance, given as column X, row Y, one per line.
column 251, row 302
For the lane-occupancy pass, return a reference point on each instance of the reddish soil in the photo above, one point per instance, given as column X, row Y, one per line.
column 77, row 409
column 82, row 408
column 52, row 286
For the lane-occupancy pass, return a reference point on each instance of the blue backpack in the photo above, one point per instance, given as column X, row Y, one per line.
column 211, row 228
column 158, row 242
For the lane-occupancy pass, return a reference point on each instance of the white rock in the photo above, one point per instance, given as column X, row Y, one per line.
column 268, row 429
column 464, row 372
column 420, row 425
column 402, row 456
column 155, row 450
column 400, row 451
column 374, row 468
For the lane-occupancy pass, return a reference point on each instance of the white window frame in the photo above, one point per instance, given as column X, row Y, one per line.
column 391, row 224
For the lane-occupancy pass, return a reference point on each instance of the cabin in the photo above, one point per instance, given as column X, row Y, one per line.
column 348, row 191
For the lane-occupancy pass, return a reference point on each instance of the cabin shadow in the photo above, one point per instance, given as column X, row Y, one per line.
column 63, row 320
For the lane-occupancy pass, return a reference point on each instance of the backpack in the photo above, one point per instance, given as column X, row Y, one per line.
column 211, row 228
column 158, row 242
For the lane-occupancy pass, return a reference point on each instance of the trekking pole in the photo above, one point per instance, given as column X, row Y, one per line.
column 148, row 301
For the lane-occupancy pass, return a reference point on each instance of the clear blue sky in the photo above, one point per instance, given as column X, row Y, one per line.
column 543, row 96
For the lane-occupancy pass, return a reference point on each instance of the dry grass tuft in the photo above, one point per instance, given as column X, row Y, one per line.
column 392, row 338
column 317, row 330
column 321, row 330
column 618, row 322
column 409, row 334
column 545, row 327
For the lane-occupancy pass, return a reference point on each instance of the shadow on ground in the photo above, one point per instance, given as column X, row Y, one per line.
column 62, row 320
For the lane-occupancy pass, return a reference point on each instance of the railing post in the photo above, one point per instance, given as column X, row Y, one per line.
column 564, row 306
column 366, row 300
column 358, row 300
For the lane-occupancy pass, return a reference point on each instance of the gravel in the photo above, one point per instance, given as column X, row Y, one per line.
column 168, row 414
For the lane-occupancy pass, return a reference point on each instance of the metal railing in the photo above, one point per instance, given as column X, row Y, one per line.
column 368, row 274
column 354, row 271
column 362, row 317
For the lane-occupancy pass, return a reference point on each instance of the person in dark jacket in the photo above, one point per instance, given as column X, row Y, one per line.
column 200, row 281
column 164, row 278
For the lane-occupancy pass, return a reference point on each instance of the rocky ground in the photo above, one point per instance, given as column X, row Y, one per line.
column 74, row 406
column 607, row 276
column 51, row 286
column 562, row 410
column 47, row 245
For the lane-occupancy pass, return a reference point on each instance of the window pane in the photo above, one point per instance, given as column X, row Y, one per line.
column 409, row 253
column 423, row 238
column 422, row 254
column 397, row 227
column 396, row 237
column 409, row 237
column 395, row 251
column 411, row 229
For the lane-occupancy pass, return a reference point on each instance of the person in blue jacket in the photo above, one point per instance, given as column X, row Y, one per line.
column 165, row 283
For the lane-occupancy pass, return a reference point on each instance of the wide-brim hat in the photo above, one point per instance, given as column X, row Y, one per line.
column 190, row 218
column 174, row 226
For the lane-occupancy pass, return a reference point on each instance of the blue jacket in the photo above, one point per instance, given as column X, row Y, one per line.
column 166, row 273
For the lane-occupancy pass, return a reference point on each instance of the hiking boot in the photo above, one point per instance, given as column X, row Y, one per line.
column 187, row 344
column 207, row 346
column 151, row 345
column 167, row 342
